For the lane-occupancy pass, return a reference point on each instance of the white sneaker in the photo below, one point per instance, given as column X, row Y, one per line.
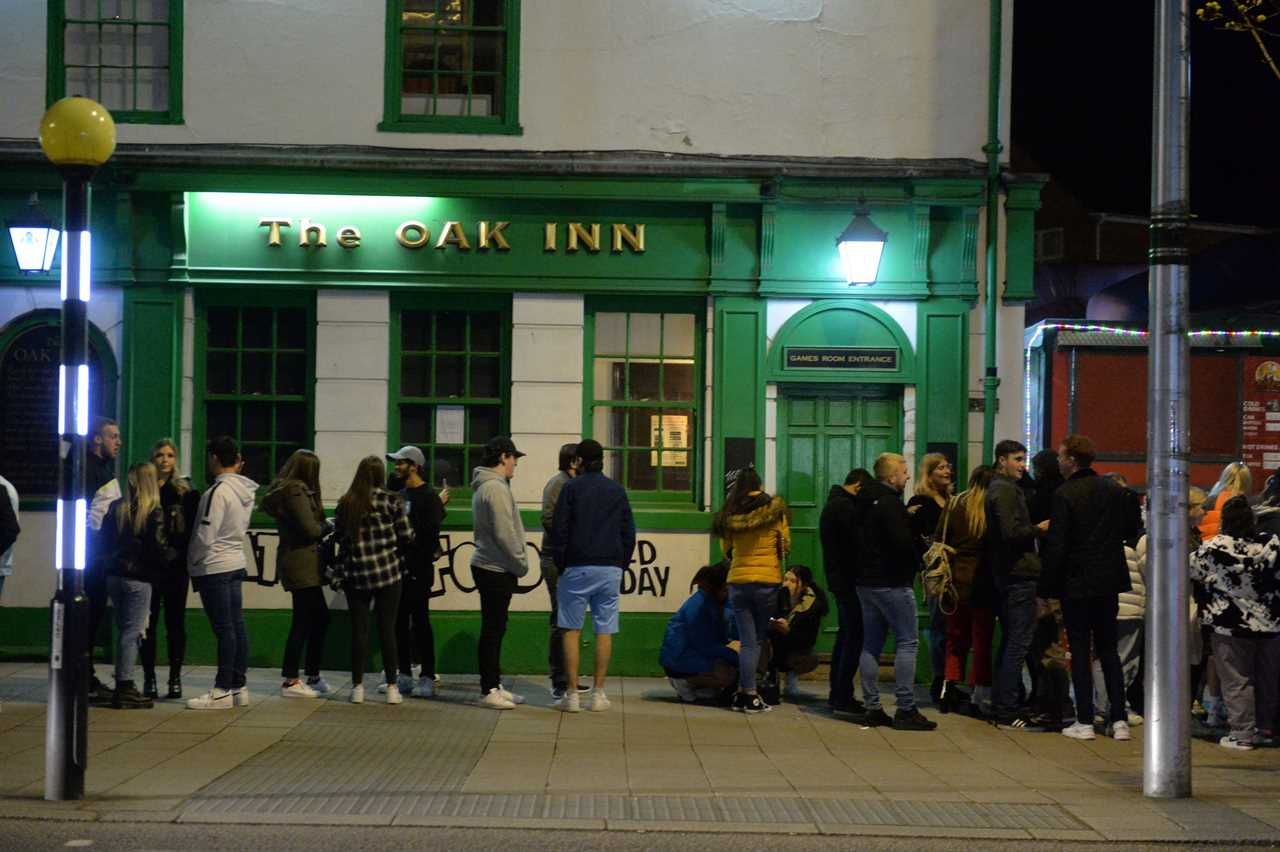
column 357, row 694
column 298, row 689
column 320, row 686
column 403, row 681
column 684, row 691
column 599, row 701
column 1235, row 744
column 1120, row 731
column 393, row 694
column 510, row 696
column 1134, row 719
column 240, row 697
column 494, row 700
column 570, row 703
column 426, row 688
column 214, row 699
column 1080, row 731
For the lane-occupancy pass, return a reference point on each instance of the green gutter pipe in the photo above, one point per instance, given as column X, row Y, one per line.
column 991, row 379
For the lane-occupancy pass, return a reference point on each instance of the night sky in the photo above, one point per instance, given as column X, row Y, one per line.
column 1082, row 110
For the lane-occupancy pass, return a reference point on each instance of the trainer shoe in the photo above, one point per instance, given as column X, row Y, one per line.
column 1234, row 744
column 510, row 696
column 750, row 704
column 127, row 697
column 493, row 699
column 297, row 689
column 403, row 681
column 240, row 697
column 873, row 718
column 357, row 694
column 393, row 694
column 599, row 701
column 1021, row 722
column 1134, row 719
column 1080, row 731
column 1120, row 731
column 570, row 702
column 684, row 691
column 426, row 688
column 853, row 708
column 214, row 699
column 320, row 685
column 912, row 720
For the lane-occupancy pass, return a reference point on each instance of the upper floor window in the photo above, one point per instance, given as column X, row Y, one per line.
column 1050, row 244
column 124, row 54
column 452, row 66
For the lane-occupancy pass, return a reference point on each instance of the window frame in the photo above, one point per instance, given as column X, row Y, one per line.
column 435, row 301
column 220, row 298
column 640, row 305
column 394, row 121
column 56, row 67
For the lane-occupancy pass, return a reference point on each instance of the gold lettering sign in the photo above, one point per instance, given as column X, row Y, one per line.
column 273, row 236
column 402, row 236
column 452, row 233
column 348, row 237
column 413, row 234
column 493, row 233
column 308, row 229
column 590, row 238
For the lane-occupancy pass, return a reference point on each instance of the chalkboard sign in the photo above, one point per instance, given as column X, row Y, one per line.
column 841, row 357
column 29, row 408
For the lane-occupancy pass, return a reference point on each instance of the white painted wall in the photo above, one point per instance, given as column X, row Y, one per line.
column 906, row 78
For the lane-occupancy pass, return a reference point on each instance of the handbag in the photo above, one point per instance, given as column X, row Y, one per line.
column 937, row 579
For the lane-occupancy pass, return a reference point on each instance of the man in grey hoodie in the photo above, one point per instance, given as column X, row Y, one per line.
column 215, row 560
column 498, row 560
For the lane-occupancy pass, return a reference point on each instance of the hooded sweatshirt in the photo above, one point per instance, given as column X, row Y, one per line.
column 499, row 531
column 222, row 519
column 1239, row 575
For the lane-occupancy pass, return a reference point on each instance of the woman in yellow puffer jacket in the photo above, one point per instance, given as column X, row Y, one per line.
column 755, row 535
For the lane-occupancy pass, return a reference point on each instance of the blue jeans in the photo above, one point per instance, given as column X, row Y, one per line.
column 886, row 608
column 224, row 604
column 1017, row 624
column 846, row 653
column 132, row 602
column 753, row 605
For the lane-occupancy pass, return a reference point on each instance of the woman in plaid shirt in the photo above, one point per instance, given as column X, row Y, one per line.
column 376, row 535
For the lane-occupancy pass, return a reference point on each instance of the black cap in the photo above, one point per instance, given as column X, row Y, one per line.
column 498, row 447
column 590, row 451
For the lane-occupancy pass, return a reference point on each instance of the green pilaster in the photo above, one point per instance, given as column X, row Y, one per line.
column 942, row 399
column 152, row 369
column 738, row 383
column 1021, row 203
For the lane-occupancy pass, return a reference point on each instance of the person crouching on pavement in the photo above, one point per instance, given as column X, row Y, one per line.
column 794, row 634
column 699, row 653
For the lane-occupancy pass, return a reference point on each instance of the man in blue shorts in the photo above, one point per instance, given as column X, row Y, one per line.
column 591, row 539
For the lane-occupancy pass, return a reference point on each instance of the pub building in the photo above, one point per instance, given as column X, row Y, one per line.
column 687, row 310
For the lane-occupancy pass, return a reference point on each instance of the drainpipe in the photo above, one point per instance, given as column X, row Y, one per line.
column 991, row 379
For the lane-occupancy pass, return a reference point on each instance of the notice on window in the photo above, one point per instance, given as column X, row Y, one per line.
column 450, row 420
column 671, row 432
column 1260, row 417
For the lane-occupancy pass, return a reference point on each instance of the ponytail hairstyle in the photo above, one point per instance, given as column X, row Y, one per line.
column 745, row 483
column 142, row 499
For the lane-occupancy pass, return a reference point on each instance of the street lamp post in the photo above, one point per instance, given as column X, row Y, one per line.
column 77, row 136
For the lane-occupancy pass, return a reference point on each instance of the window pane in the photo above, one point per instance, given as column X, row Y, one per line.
column 613, row 465
column 415, row 375
column 677, row 335
column 486, row 331
column 486, row 95
column 255, row 421
column 680, row 477
column 449, row 375
column 81, row 45
column 642, row 475
column 611, row 334
column 220, row 375
column 291, row 328
column 645, row 331
column 610, row 379
column 451, row 94
column 117, row 45
column 641, row 428
column 644, row 381
column 291, row 422
column 451, row 331
column 487, row 51
column 488, row 13
column 484, row 377
column 282, row 454
column 415, row 330
column 291, row 373
column 484, row 423
column 116, row 90
column 82, row 82
column 415, row 424
column 220, row 419
column 677, row 382
column 608, row 425
column 420, row 52
column 153, row 10
column 450, row 463
column 222, row 327
column 255, row 372
column 475, row 458
column 153, row 90
column 257, row 462
column 153, row 47
column 257, row 328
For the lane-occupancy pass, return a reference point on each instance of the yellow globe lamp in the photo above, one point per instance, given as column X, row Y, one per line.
column 77, row 132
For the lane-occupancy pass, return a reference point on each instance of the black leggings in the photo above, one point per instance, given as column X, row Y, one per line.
column 413, row 627
column 386, row 602
column 309, row 625
column 171, row 594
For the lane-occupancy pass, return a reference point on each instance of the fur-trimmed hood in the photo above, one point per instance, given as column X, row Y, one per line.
column 768, row 510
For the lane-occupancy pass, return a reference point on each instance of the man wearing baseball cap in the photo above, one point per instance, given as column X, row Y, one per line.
column 426, row 512
column 499, row 559
column 592, row 536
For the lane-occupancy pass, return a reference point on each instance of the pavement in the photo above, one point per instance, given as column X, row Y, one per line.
column 648, row 764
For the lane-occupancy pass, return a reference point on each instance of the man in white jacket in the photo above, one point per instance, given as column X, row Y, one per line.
column 216, row 562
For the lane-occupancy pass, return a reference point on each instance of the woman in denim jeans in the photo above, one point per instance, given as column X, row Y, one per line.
column 755, row 534
column 133, row 534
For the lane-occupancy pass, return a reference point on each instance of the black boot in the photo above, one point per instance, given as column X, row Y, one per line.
column 127, row 697
column 175, row 685
column 149, row 685
column 935, row 690
column 954, row 699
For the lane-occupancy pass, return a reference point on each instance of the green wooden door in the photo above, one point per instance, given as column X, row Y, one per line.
column 822, row 435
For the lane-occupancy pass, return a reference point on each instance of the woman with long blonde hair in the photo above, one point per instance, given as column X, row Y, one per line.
column 178, row 501
column 933, row 490
column 1235, row 481
column 134, row 541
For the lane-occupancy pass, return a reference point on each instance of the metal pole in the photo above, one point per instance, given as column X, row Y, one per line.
column 66, row 731
column 991, row 378
column 1166, row 770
